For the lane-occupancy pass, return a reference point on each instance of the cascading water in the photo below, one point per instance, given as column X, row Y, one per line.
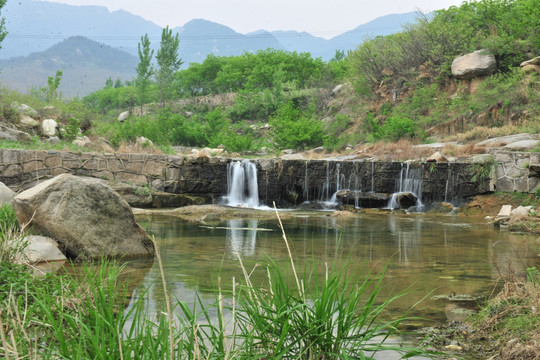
column 328, row 197
column 306, row 185
column 373, row 176
column 242, row 188
column 410, row 181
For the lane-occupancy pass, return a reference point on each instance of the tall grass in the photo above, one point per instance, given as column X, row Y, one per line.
column 12, row 236
column 294, row 316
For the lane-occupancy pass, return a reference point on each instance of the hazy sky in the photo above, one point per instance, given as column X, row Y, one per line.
column 322, row 18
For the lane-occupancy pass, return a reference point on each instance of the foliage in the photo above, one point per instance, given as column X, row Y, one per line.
column 168, row 63
column 510, row 316
column 266, row 69
column 482, row 170
column 72, row 129
column 83, row 317
column 293, row 129
column 144, row 69
column 12, row 238
column 8, row 113
column 205, row 129
column 111, row 98
column 335, row 138
column 397, row 127
column 53, row 84
column 342, row 321
column 8, row 218
column 3, row 31
column 508, row 28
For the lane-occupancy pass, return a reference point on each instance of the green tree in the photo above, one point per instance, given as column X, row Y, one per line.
column 144, row 69
column 3, row 31
column 168, row 63
column 109, row 83
column 118, row 83
column 54, row 83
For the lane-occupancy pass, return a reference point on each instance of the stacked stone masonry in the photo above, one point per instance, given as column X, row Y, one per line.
column 517, row 171
column 287, row 182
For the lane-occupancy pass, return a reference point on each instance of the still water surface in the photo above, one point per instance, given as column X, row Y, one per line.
column 426, row 254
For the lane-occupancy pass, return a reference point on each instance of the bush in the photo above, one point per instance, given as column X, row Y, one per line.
column 396, row 128
column 72, row 129
column 294, row 130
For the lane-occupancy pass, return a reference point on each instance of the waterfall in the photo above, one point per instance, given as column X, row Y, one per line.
column 326, row 186
column 373, row 176
column 328, row 194
column 242, row 188
column 306, row 185
column 333, row 199
column 410, row 181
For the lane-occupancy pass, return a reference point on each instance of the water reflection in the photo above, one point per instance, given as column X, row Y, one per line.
column 425, row 254
column 242, row 237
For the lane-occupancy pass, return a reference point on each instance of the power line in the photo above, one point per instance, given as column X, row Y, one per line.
column 205, row 37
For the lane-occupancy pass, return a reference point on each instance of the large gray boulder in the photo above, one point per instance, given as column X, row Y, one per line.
column 6, row 194
column 24, row 109
column 86, row 217
column 478, row 63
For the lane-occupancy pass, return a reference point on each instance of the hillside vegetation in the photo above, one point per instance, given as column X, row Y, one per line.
column 390, row 88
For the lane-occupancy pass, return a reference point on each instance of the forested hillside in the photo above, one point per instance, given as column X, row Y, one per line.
column 389, row 88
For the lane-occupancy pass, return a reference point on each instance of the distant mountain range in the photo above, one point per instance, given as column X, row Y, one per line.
column 48, row 34
column 85, row 64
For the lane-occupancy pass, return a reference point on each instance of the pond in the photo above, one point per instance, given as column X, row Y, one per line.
column 432, row 257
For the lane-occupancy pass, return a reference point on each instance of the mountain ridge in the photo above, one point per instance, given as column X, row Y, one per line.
column 85, row 65
column 34, row 27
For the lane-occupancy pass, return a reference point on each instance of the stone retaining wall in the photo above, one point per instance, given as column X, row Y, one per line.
column 288, row 182
column 517, row 171
column 21, row 169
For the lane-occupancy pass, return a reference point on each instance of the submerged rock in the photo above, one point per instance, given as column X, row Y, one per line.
column 405, row 200
column 363, row 199
column 85, row 216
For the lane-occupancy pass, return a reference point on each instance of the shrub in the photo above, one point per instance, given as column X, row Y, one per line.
column 397, row 127
column 72, row 129
column 292, row 129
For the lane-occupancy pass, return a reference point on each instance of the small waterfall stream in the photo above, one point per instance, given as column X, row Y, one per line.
column 242, row 188
column 329, row 184
column 410, row 181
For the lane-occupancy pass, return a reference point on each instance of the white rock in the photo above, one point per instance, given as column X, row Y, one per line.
column 29, row 122
column 478, row 63
column 505, row 211
column 535, row 61
column 141, row 140
column 54, row 140
column 522, row 145
column 82, row 141
column 49, row 127
column 123, row 116
column 25, row 109
column 41, row 249
column 336, row 90
column 6, row 194
column 521, row 211
column 505, row 140
column 437, row 157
